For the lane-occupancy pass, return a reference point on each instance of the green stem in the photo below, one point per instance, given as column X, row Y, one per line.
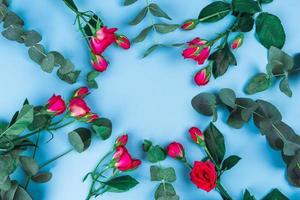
column 33, row 156
column 61, row 126
column 55, row 158
column 71, row 7
column 212, row 159
column 223, row 192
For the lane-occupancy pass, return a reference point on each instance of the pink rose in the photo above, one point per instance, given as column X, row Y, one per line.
column 175, row 150
column 103, row 38
column 56, row 105
column 123, row 161
column 78, row 107
column 197, row 50
column 99, row 63
column 81, row 92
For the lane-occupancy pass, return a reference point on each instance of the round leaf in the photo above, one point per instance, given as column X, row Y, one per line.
column 80, row 139
column 102, row 128
column 258, row 83
column 29, row 165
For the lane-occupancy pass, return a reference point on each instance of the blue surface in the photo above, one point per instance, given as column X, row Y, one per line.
column 147, row 98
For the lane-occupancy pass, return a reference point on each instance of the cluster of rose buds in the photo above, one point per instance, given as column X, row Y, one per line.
column 199, row 50
column 101, row 39
column 76, row 107
column 121, row 159
column 203, row 174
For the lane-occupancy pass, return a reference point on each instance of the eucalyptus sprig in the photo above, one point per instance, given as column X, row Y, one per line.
column 280, row 66
column 166, row 176
column 22, row 136
column 267, row 119
column 247, row 13
column 14, row 31
column 153, row 11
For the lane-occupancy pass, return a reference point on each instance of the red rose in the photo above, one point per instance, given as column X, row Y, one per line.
column 121, row 141
column 204, row 175
column 81, row 92
column 197, row 50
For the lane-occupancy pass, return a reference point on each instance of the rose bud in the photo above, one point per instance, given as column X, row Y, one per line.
column 237, row 42
column 197, row 50
column 103, row 38
column 204, row 175
column 175, row 150
column 196, row 135
column 81, row 92
column 202, row 77
column 123, row 41
column 197, row 41
column 56, row 105
column 99, row 63
column 78, row 107
column 91, row 117
column 121, row 140
column 190, row 24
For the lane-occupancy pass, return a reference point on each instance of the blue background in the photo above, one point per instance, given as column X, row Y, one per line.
column 147, row 98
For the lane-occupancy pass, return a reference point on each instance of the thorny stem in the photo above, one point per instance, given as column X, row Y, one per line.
column 223, row 191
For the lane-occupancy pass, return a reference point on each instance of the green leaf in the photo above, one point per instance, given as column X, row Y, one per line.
column 159, row 174
column 266, row 112
column 121, row 183
column 214, row 141
column 92, row 75
column 293, row 171
column 258, row 83
column 235, row 119
column 246, row 6
column 59, row 59
column 3, row 12
column 279, row 62
column 11, row 19
column 230, row 162
column 214, row 11
column 165, row 191
column 275, row 194
column 227, row 96
column 284, row 87
column 156, row 154
column 29, row 165
column 102, row 127
column 48, row 63
column 146, row 145
column 165, row 28
column 37, row 53
column 13, row 33
column 5, row 185
column 129, row 2
column 94, row 22
column 248, row 196
column 40, row 121
column 265, row 1
column 140, row 16
column 31, row 38
column 248, row 107
column 25, row 118
column 71, row 4
column 205, row 103
column 80, row 139
column 70, row 77
column 222, row 59
column 245, row 23
column 157, row 11
column 269, row 30
column 42, row 177
column 151, row 49
column 8, row 165
column 143, row 34
column 66, row 68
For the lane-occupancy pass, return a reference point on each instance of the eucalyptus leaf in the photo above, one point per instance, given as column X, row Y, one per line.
column 29, row 165
column 214, row 11
column 13, row 33
column 70, row 77
column 235, row 119
column 227, row 96
column 31, row 38
column 11, row 19
column 279, row 62
column 156, row 154
column 42, row 177
column 3, row 12
column 58, row 58
column 248, row 107
column 165, row 191
column 270, row 31
column 293, row 171
column 66, row 68
column 151, row 49
column 214, row 141
column 37, row 53
column 48, row 63
column 258, row 83
column 102, row 127
column 160, row 174
column 284, row 87
column 204, row 103
column 80, row 139
column 140, row 16
column 129, row 2
column 157, row 11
